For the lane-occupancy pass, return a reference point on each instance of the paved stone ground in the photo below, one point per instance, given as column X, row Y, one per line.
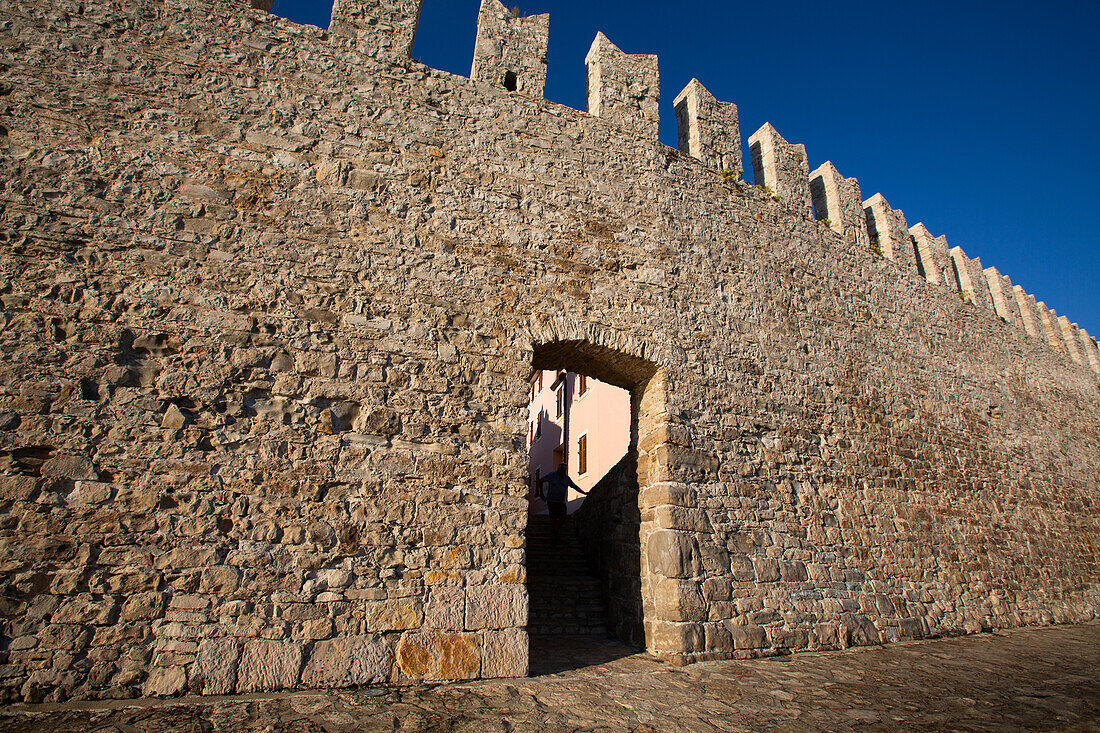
column 1035, row 679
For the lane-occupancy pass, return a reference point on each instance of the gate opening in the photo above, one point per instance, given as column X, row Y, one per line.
column 589, row 406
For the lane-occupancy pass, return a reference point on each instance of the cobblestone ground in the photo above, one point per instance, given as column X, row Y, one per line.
column 1035, row 679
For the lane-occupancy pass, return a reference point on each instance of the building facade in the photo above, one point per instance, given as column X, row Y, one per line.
column 579, row 421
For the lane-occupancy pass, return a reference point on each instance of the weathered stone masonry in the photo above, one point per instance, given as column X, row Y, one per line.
column 271, row 296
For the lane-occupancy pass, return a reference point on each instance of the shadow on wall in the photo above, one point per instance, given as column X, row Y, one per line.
column 609, row 526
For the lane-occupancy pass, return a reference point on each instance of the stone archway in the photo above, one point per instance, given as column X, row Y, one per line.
column 617, row 520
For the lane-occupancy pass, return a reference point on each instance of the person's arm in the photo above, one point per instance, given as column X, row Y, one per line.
column 574, row 485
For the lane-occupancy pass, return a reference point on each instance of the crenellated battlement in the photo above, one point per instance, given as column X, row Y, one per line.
column 838, row 200
column 709, row 130
column 377, row 26
column 624, row 90
column 510, row 51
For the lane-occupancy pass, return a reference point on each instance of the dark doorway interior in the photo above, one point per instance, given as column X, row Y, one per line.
column 586, row 589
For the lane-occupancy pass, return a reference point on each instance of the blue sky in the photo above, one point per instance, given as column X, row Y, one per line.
column 978, row 119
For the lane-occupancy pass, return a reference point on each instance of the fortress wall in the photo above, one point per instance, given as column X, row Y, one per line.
column 377, row 27
column 1071, row 337
column 1052, row 332
column 930, row 253
column 1089, row 348
column 271, row 299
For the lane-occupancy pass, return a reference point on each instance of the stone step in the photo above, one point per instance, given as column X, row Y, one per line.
column 564, row 628
column 564, row 598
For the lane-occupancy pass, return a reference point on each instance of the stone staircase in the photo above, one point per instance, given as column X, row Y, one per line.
column 565, row 598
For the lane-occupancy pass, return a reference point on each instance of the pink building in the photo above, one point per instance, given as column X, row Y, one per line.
column 575, row 420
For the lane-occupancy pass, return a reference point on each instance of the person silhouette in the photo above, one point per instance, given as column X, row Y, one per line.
column 554, row 490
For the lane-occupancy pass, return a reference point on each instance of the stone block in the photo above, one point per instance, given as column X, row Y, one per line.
column 348, row 661
column 676, row 638
column 215, row 669
column 446, row 608
column 496, row 606
column 678, row 600
column 165, row 682
column 673, row 554
column 267, row 665
column 70, row 467
column 143, row 607
column 504, row 653
column 439, row 656
column 747, row 637
column 220, row 581
column 767, row 569
column 398, row 614
column 742, row 568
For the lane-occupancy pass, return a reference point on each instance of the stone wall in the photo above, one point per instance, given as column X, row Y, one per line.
column 271, row 297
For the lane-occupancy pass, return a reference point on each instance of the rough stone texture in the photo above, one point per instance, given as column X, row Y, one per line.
column 510, row 51
column 270, row 303
column 1029, row 312
column 968, row 279
column 1004, row 299
column 215, row 670
column 386, row 27
column 709, row 130
column 782, row 168
column 886, row 229
column 441, row 656
column 1052, row 331
column 496, row 606
column 623, row 89
column 1071, row 338
column 268, row 664
column 839, row 200
column 931, row 254
column 348, row 661
column 1090, row 351
column 504, row 654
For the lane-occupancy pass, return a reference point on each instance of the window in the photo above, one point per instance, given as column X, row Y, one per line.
column 537, row 479
column 582, row 384
column 538, row 426
column 582, row 454
column 539, row 383
column 561, row 401
column 511, row 81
